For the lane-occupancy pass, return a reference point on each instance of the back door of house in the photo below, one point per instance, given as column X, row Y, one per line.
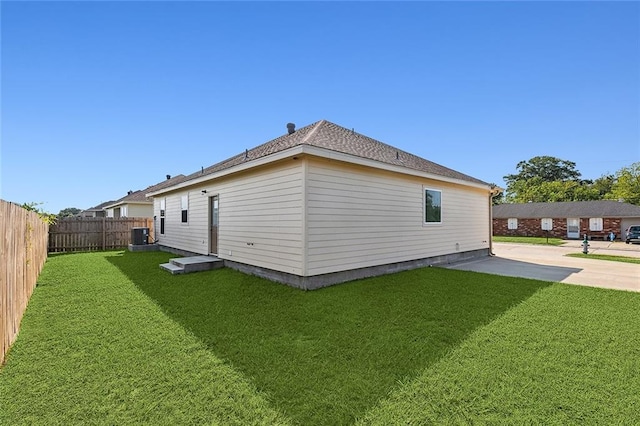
column 573, row 228
column 214, row 216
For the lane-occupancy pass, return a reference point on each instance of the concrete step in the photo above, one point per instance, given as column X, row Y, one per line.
column 196, row 263
column 174, row 269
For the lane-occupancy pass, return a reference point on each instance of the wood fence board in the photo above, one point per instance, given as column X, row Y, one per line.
column 93, row 234
column 23, row 252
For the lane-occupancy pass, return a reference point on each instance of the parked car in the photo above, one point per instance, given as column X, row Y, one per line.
column 633, row 234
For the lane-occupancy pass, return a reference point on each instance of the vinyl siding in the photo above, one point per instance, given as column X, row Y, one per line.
column 260, row 220
column 139, row 210
column 359, row 217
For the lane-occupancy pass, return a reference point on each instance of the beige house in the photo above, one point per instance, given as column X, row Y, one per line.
column 323, row 205
column 97, row 211
column 136, row 203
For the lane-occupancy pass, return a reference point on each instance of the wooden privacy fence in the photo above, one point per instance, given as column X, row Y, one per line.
column 23, row 252
column 92, row 234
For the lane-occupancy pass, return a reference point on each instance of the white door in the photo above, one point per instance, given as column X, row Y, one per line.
column 573, row 228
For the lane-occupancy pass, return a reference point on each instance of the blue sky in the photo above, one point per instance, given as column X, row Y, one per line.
column 102, row 97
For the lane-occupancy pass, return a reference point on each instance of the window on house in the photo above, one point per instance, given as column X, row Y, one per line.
column 163, row 206
column 432, row 206
column 512, row 223
column 546, row 224
column 184, row 206
column 595, row 224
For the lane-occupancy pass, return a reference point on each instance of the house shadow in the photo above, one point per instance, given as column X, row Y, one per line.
column 325, row 357
column 516, row 268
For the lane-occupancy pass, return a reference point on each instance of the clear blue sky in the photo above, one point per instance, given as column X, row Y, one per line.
column 102, row 97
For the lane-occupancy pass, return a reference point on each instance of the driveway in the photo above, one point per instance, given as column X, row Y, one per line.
column 549, row 263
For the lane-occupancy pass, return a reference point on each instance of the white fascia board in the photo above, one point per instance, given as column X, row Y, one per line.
column 125, row 203
column 318, row 152
column 112, row 206
column 296, row 150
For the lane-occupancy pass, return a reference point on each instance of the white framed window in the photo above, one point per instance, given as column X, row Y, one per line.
column 432, row 206
column 595, row 224
column 546, row 224
column 184, row 207
column 512, row 223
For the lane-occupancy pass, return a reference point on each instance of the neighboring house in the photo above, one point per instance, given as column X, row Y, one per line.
column 136, row 203
column 97, row 211
column 570, row 220
column 323, row 205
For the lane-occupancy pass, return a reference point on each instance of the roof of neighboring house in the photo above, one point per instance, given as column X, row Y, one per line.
column 140, row 196
column 99, row 207
column 601, row 208
column 330, row 136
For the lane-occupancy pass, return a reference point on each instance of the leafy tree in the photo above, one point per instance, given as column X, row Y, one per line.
column 499, row 198
column 46, row 217
column 626, row 185
column 604, row 185
column 68, row 212
column 545, row 179
column 547, row 168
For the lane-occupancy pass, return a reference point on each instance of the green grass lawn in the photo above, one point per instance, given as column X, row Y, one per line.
column 109, row 338
column 624, row 259
column 529, row 240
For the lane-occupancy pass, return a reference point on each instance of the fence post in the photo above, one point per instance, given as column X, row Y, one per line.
column 104, row 233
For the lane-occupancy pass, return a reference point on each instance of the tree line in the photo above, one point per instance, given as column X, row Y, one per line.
column 550, row 179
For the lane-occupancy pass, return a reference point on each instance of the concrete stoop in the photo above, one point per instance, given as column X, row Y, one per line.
column 185, row 265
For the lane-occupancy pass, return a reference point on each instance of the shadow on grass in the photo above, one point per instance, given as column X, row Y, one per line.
column 327, row 356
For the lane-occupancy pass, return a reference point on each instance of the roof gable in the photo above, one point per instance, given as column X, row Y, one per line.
column 599, row 208
column 330, row 136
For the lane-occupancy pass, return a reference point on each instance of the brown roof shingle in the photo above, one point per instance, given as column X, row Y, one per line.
column 327, row 135
column 140, row 196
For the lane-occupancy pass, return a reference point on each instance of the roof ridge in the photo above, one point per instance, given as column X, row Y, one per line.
column 313, row 131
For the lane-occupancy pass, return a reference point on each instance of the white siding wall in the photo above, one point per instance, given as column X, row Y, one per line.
column 139, row 210
column 358, row 217
column 261, row 217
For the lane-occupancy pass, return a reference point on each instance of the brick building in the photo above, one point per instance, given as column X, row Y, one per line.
column 571, row 220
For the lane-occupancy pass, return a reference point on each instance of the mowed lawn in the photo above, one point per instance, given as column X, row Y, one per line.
column 109, row 338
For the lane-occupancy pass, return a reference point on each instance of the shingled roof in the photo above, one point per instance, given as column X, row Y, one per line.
column 140, row 196
column 601, row 208
column 330, row 136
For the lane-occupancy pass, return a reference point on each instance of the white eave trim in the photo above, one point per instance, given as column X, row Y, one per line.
column 123, row 203
column 317, row 152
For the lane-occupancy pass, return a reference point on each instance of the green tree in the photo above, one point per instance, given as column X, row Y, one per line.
column 547, row 168
column 545, row 179
column 499, row 198
column 626, row 185
column 604, row 185
column 33, row 207
column 68, row 212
